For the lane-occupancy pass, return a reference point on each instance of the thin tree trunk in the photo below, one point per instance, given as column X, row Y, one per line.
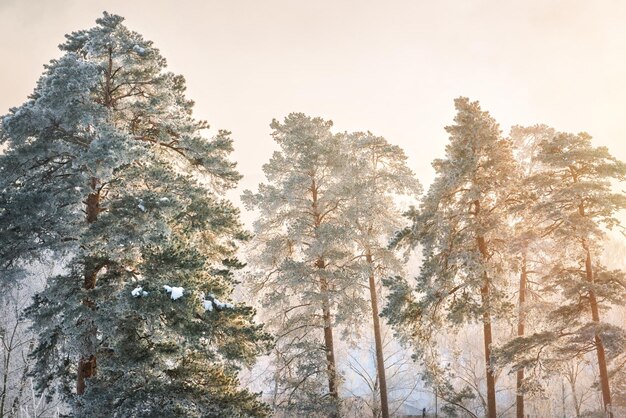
column 519, row 403
column 571, row 377
column 487, row 334
column 380, row 358
column 595, row 316
column 9, row 347
column 329, row 344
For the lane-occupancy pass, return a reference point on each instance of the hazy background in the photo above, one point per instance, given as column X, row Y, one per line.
column 390, row 67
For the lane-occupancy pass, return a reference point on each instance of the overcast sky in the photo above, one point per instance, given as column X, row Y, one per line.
column 391, row 67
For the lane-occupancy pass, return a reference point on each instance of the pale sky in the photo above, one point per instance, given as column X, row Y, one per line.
column 390, row 67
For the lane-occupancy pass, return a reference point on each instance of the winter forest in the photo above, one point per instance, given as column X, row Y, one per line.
column 132, row 285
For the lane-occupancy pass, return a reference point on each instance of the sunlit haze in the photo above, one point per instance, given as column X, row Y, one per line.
column 141, row 278
column 393, row 68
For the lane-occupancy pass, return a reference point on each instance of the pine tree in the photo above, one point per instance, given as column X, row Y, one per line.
column 380, row 174
column 570, row 201
column 107, row 171
column 527, row 246
column 576, row 201
column 300, row 249
column 462, row 228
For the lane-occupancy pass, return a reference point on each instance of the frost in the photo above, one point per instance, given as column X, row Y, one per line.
column 139, row 292
column 139, row 50
column 176, row 292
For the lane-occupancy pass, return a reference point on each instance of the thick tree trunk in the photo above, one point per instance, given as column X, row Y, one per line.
column 487, row 335
column 380, row 358
column 87, row 361
column 521, row 322
column 595, row 316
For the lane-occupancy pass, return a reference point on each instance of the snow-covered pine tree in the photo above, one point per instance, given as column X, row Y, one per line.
column 299, row 249
column 379, row 176
column 575, row 201
column 462, row 227
column 107, row 172
column 527, row 245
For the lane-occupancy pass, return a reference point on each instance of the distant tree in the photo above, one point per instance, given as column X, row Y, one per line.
column 300, row 248
column 106, row 166
column 15, row 344
column 380, row 175
column 463, row 227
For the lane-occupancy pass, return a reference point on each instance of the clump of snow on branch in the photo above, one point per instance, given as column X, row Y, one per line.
column 207, row 305
column 212, row 302
column 175, row 292
column 139, row 292
column 139, row 50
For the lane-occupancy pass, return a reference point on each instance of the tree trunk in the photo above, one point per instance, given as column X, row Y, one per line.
column 571, row 377
column 519, row 403
column 487, row 334
column 329, row 344
column 380, row 358
column 595, row 316
column 87, row 361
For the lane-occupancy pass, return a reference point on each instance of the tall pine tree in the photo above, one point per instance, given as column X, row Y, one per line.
column 574, row 202
column 302, row 251
column 107, row 171
column 462, row 227
column 528, row 247
column 379, row 176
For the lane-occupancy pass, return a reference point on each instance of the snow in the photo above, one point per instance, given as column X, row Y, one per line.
column 212, row 302
column 208, row 305
column 164, row 199
column 221, row 305
column 176, row 292
column 139, row 292
column 141, row 206
column 139, row 50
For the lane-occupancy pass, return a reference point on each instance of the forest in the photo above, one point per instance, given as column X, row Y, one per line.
column 131, row 287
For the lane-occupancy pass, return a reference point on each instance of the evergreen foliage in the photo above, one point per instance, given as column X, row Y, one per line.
column 380, row 175
column 462, row 228
column 107, row 171
column 300, row 257
column 572, row 200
